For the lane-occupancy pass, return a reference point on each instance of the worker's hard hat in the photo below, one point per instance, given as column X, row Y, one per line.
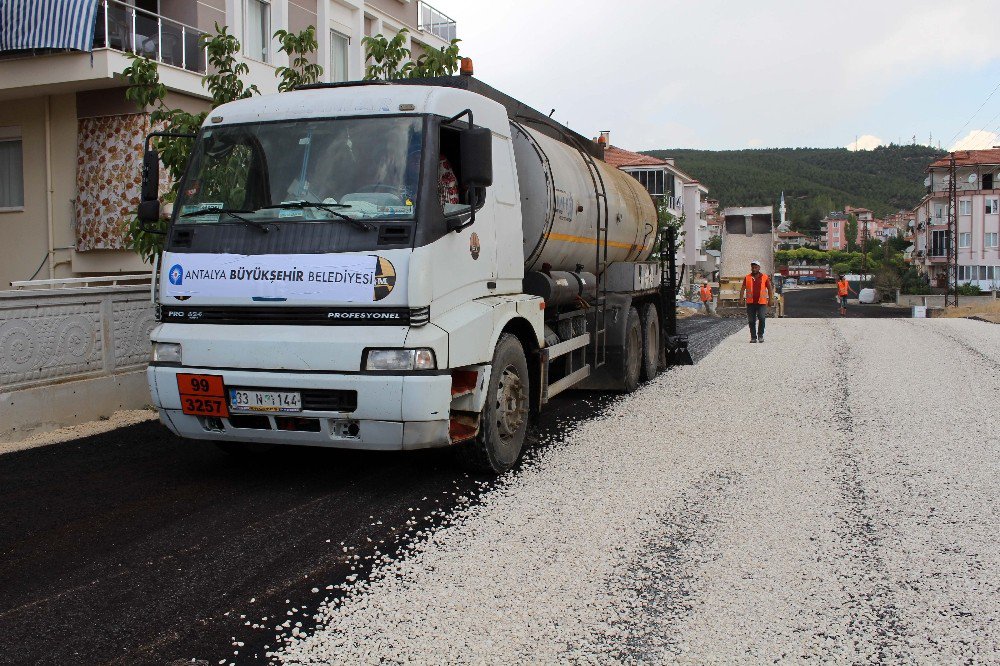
column 755, row 262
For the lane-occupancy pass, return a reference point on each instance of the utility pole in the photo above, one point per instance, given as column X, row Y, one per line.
column 951, row 239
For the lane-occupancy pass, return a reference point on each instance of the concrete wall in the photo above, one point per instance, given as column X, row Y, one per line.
column 71, row 355
column 937, row 300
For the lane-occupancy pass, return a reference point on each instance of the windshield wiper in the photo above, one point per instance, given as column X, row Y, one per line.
column 263, row 228
column 327, row 207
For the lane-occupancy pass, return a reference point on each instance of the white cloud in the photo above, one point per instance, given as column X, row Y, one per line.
column 977, row 140
column 865, row 142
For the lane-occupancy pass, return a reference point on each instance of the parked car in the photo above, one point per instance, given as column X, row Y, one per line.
column 807, row 279
column 791, row 282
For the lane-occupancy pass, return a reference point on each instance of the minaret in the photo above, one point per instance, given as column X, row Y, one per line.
column 781, row 209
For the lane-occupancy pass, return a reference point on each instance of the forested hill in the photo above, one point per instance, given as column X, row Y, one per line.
column 815, row 180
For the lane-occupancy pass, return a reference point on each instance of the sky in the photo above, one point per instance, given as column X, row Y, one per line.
column 727, row 75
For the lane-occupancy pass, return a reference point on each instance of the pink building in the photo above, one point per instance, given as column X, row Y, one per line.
column 978, row 220
column 834, row 234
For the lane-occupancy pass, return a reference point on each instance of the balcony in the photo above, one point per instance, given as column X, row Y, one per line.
column 437, row 23
column 128, row 29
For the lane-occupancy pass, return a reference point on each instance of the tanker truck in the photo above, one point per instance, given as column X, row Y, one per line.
column 396, row 267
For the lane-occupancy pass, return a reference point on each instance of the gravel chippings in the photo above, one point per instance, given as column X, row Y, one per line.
column 831, row 495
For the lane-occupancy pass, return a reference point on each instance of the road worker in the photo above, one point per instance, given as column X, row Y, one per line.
column 757, row 292
column 707, row 300
column 843, row 290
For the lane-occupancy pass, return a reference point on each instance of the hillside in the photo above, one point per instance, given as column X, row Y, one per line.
column 815, row 180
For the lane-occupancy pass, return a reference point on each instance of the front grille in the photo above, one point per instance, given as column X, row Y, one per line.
column 276, row 315
column 328, row 400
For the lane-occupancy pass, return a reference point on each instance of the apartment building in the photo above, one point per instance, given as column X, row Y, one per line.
column 833, row 228
column 70, row 143
column 977, row 220
column 683, row 195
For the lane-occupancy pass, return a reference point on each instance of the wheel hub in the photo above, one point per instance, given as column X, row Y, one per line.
column 511, row 403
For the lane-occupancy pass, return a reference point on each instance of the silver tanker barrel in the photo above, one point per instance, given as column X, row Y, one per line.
column 559, row 207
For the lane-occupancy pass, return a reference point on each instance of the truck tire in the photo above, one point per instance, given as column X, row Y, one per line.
column 504, row 420
column 631, row 369
column 650, row 342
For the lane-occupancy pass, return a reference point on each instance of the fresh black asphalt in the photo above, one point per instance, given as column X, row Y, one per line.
column 136, row 547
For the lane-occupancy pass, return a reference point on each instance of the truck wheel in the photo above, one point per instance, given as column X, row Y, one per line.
column 632, row 351
column 504, row 420
column 650, row 342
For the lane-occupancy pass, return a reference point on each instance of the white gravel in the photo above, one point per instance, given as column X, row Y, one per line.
column 831, row 494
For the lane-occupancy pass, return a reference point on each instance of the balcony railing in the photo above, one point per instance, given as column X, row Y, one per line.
column 126, row 28
column 437, row 23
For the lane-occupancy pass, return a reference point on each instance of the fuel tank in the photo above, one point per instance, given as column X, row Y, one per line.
column 560, row 207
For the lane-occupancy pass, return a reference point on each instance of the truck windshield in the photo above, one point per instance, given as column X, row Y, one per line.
column 356, row 167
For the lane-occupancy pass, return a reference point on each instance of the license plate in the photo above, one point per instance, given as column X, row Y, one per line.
column 254, row 400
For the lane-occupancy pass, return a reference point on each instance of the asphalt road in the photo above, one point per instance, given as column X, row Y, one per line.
column 135, row 547
column 820, row 302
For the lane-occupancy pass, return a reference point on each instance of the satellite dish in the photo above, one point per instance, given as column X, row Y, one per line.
column 972, row 178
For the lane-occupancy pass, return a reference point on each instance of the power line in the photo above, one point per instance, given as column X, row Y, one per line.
column 988, row 97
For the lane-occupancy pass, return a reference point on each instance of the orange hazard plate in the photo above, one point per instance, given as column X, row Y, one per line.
column 202, row 395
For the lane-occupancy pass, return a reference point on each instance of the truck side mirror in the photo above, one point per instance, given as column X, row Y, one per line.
column 149, row 200
column 476, row 146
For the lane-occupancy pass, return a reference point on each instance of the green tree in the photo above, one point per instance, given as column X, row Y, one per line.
column 852, row 233
column 224, row 84
column 300, row 70
column 389, row 59
column 714, row 243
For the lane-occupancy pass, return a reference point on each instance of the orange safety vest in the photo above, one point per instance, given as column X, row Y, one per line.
column 706, row 293
column 748, row 285
column 842, row 287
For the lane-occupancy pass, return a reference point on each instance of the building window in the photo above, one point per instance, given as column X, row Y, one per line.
column 836, row 225
column 938, row 212
column 338, row 56
column 652, row 180
column 992, row 206
column 965, row 239
column 836, row 243
column 11, row 173
column 990, row 239
column 939, row 243
column 965, row 207
column 258, row 29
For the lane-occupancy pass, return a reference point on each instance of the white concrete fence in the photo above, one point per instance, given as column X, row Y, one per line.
column 937, row 300
column 72, row 350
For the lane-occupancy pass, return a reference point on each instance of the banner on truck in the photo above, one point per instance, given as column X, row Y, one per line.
column 320, row 277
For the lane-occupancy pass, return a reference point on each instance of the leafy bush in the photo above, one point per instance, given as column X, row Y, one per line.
column 969, row 290
column 224, row 84
column 915, row 283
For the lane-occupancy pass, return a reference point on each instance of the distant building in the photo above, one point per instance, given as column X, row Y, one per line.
column 683, row 195
column 977, row 182
column 793, row 238
column 833, row 231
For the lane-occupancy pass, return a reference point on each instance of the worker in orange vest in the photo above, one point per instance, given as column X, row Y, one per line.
column 757, row 293
column 843, row 289
column 707, row 300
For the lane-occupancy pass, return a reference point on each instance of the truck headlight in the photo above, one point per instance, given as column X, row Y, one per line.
column 166, row 352
column 400, row 359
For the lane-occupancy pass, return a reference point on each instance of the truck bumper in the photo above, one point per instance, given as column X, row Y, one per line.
column 394, row 412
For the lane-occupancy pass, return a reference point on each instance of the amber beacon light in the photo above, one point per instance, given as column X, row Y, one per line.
column 466, row 67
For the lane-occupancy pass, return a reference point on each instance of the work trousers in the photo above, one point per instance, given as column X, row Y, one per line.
column 756, row 314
